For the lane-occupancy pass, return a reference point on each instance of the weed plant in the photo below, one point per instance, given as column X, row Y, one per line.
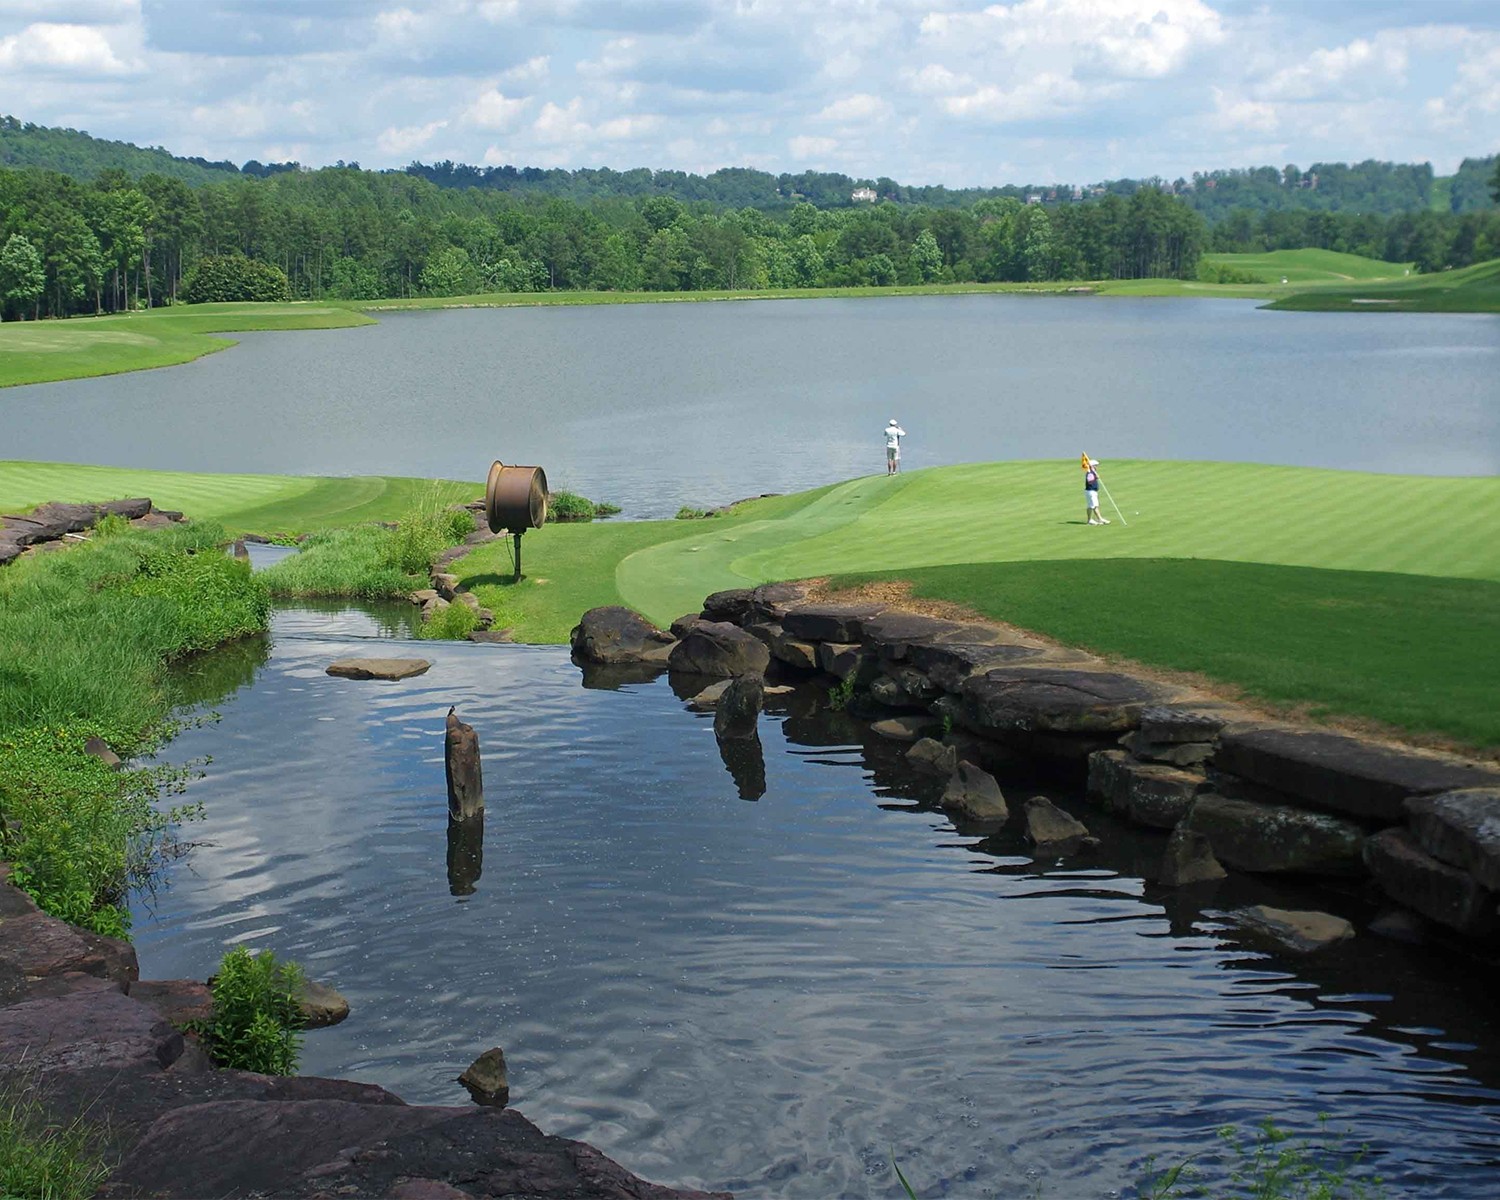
column 85, row 638
column 570, row 506
column 1273, row 1164
column 453, row 623
column 41, row 1159
column 688, row 513
column 257, row 1015
column 841, row 693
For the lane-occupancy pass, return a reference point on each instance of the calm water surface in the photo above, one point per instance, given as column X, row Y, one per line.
column 658, row 405
column 769, row 995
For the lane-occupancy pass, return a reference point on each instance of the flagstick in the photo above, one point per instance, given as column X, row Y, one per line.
column 1118, row 513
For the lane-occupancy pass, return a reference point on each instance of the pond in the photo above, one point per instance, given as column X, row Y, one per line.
column 772, row 994
column 658, row 405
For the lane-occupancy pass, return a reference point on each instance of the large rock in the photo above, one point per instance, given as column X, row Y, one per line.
column 908, row 728
column 487, row 1080
column 770, row 601
column 932, row 757
column 721, row 650
column 732, row 605
column 67, row 518
column 1146, row 793
column 1189, row 859
column 974, row 795
column 1411, row 876
column 34, row 945
column 613, row 635
column 892, row 634
column 794, row 652
column 947, row 665
column 829, row 622
column 321, row 1005
column 738, row 710
column 379, row 668
column 1343, row 774
column 131, row 508
column 83, row 1030
column 1056, row 700
column 1276, row 838
column 844, row 660
column 1048, row 825
column 1172, row 754
column 1299, row 932
column 180, row 1002
column 1461, row 829
column 1185, row 722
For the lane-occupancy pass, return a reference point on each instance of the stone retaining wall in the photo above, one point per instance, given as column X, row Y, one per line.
column 51, row 525
column 1419, row 829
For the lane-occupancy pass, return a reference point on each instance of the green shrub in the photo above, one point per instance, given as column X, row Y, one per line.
column 41, row 1159
column 454, row 623
column 1209, row 272
column 570, row 506
column 343, row 562
column 110, row 525
column 427, row 529
column 257, row 1015
column 688, row 513
column 841, row 693
column 223, row 277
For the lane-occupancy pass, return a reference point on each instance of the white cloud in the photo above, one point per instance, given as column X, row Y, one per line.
column 1371, row 65
column 404, row 141
column 1235, row 113
column 803, row 147
column 1045, row 96
column 234, row 118
column 858, row 108
column 70, row 49
column 533, row 70
column 493, row 109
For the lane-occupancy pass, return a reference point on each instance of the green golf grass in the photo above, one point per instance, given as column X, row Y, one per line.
column 264, row 504
column 1473, row 289
column 48, row 351
column 1311, row 266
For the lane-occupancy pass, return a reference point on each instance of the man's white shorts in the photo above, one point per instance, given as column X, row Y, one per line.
column 1093, row 497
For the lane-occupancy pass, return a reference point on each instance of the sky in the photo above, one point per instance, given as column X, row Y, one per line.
column 923, row 91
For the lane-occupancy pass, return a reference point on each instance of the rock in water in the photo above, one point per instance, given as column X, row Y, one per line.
column 932, row 757
column 1189, row 858
column 738, row 709
column 461, row 762
column 1047, row 825
column 487, row 1080
column 379, row 668
column 613, row 634
column 974, row 795
column 321, row 1005
column 1300, row 932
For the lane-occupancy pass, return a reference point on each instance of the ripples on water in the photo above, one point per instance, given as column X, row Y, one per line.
column 769, row 996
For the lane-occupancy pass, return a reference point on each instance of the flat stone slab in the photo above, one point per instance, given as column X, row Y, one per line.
column 1276, row 838
column 1299, row 932
column 1342, row 774
column 379, row 668
column 1146, row 793
column 906, row 728
column 892, row 633
column 83, row 1029
column 1057, row 700
column 829, row 622
column 1412, row 877
column 1461, row 829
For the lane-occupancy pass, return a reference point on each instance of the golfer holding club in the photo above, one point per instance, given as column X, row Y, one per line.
column 893, row 435
column 1091, row 491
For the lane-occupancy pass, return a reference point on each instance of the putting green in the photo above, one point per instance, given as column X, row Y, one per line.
column 1002, row 512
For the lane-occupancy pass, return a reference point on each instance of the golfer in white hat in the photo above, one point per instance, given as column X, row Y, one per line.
column 893, row 435
column 1091, row 494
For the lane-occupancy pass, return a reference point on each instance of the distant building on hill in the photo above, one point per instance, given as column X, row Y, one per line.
column 863, row 195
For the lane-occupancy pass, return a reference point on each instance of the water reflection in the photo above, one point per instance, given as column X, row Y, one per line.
column 465, row 854
column 746, row 763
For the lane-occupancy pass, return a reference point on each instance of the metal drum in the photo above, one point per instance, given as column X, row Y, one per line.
column 515, row 498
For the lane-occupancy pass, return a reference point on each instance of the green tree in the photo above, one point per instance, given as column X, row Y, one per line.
column 1495, row 183
column 661, row 212
column 449, row 272
column 22, row 278
column 926, row 256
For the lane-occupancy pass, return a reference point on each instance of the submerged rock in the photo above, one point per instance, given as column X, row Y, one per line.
column 973, row 794
column 1299, row 932
column 1048, row 825
column 379, row 668
column 1188, row 859
column 487, row 1080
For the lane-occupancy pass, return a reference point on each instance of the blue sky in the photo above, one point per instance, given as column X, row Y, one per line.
column 924, row 91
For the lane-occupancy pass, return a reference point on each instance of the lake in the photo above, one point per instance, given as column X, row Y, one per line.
column 658, row 405
column 773, row 994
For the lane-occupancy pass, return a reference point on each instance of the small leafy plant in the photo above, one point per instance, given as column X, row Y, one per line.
column 257, row 1013
column 453, row 623
column 1274, row 1165
column 841, row 693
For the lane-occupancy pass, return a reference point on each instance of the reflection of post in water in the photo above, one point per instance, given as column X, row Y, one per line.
column 465, row 854
column 465, row 805
column 747, row 765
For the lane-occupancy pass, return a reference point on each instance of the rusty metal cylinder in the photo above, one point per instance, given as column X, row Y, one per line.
column 515, row 498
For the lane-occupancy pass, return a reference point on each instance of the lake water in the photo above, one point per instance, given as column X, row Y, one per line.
column 655, row 406
column 773, row 994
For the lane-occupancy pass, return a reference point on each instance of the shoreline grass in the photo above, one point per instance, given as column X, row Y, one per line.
column 1473, row 289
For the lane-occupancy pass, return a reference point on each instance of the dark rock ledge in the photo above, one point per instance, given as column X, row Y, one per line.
column 49, row 525
column 85, row 1036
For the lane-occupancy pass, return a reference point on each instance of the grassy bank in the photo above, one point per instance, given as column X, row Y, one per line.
column 1262, row 529
column 1473, row 289
column 264, row 504
column 46, row 351
column 86, row 636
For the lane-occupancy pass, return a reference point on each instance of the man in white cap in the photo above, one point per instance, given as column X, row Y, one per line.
column 893, row 435
column 1091, row 493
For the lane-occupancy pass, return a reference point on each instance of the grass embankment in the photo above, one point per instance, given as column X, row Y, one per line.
column 263, row 504
column 86, row 635
column 1473, row 289
column 1310, row 266
column 47, row 351
column 1374, row 585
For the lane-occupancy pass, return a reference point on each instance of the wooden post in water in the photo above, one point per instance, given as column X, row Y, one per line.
column 461, row 760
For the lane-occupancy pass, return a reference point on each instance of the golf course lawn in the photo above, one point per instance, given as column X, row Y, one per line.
column 1473, row 289
column 1362, row 595
column 264, row 504
column 1311, row 266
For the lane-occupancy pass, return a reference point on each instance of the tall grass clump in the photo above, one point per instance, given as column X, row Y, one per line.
column 570, row 506
column 1273, row 1164
column 257, row 1013
column 453, row 623
column 86, row 636
column 40, row 1158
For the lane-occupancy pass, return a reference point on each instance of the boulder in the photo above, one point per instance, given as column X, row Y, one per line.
column 180, row 1002
column 1412, row 877
column 1185, row 722
column 843, row 623
column 1461, row 829
column 1048, row 825
column 708, row 699
column 891, row 634
column 1299, row 932
column 906, row 728
column 446, row 584
column 9, row 550
column 948, row 665
column 932, row 757
column 738, row 710
column 67, row 518
column 1276, row 838
column 486, row 1078
column 1172, row 754
column 680, row 627
column 974, row 795
column 803, row 656
column 130, row 509
column 320, row 1005
column 770, row 601
column 35, row 945
column 28, row 531
column 721, row 650
column 732, row 605
column 1146, row 793
column 613, row 635
column 902, row 687
column 843, row 660
column 1056, row 700
column 378, row 668
column 766, row 631
column 1189, row 859
column 83, row 1030
column 1342, row 774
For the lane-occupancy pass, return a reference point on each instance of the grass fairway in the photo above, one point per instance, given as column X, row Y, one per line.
column 1473, row 289
column 46, row 351
column 1310, row 266
column 265, row 504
